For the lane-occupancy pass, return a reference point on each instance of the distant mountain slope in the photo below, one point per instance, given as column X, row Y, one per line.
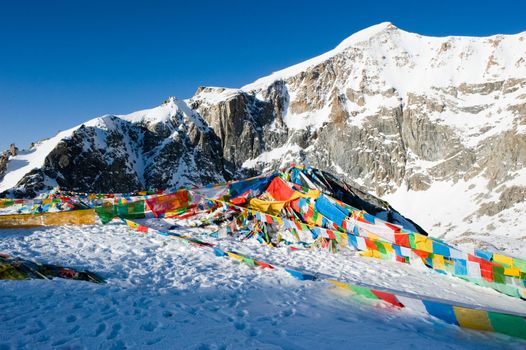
column 437, row 126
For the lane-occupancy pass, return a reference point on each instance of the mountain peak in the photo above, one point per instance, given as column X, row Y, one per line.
column 358, row 37
column 365, row 34
column 170, row 100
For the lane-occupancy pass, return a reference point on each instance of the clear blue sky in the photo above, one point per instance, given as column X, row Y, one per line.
column 64, row 62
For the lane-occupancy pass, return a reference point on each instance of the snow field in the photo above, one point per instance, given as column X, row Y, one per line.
column 162, row 293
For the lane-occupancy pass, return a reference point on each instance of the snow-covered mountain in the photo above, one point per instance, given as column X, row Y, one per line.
column 160, row 147
column 436, row 126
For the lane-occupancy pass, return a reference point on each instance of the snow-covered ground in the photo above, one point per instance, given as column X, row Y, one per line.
column 505, row 231
column 162, row 293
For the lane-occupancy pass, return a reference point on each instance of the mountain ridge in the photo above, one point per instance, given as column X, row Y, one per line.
column 417, row 120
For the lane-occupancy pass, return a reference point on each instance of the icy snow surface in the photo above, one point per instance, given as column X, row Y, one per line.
column 162, row 293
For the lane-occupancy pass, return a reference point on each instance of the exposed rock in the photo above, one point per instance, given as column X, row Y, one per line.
column 4, row 159
column 239, row 123
column 509, row 197
column 418, row 182
column 500, row 155
column 13, row 150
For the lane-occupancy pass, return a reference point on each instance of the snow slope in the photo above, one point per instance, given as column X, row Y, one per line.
column 164, row 294
column 412, row 62
column 505, row 232
column 361, row 36
column 25, row 161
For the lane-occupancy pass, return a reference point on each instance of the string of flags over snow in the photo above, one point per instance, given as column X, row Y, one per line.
column 302, row 208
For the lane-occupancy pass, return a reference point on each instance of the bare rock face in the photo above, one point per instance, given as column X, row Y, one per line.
column 4, row 159
column 507, row 199
column 233, row 121
column 80, row 163
column 501, row 155
column 241, row 122
column 191, row 154
column 13, row 150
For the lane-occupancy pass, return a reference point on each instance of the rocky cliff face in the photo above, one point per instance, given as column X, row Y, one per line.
column 437, row 126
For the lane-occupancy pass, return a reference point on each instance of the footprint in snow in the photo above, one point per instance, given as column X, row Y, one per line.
column 115, row 330
column 346, row 319
column 167, row 314
column 33, row 331
column 118, row 345
column 209, row 347
column 242, row 313
column 213, row 308
column 240, row 325
column 287, row 312
column 149, row 327
column 73, row 329
column 60, row 342
column 154, row 341
column 101, row 328
column 280, row 332
column 42, row 338
column 251, row 332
